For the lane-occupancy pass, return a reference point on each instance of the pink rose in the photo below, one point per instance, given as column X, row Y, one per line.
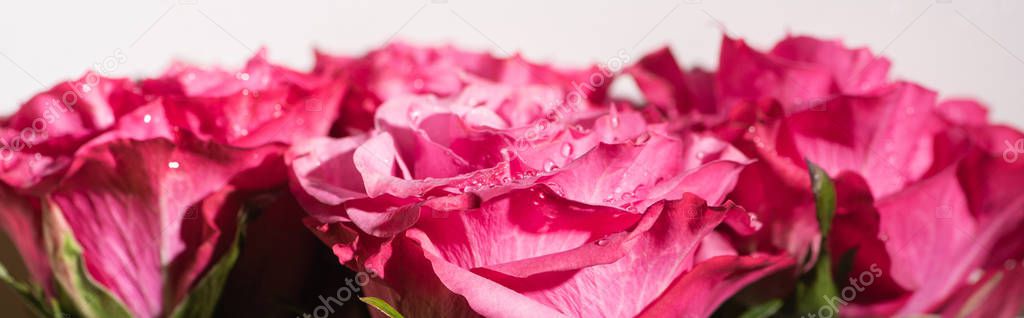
column 136, row 188
column 400, row 69
column 919, row 183
column 491, row 201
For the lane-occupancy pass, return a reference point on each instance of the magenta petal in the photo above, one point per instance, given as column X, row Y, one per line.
column 486, row 297
column 700, row 291
column 117, row 201
column 924, row 229
column 853, row 70
column 887, row 138
column 22, row 223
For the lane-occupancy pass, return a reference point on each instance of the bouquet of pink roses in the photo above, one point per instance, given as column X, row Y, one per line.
column 799, row 181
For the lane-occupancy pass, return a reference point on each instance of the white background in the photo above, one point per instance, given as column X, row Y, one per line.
column 958, row 47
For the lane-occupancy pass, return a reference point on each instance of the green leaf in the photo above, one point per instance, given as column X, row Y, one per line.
column 763, row 310
column 88, row 298
column 92, row 298
column 817, row 286
column 202, row 299
column 30, row 294
column 383, row 306
column 824, row 197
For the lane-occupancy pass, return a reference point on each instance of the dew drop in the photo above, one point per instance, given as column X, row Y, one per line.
column 242, row 76
column 602, row 242
column 642, row 139
column 550, row 166
column 556, row 188
column 173, row 165
column 631, row 208
column 609, row 198
column 147, row 118
column 975, row 276
column 86, row 88
column 627, row 196
column 239, row 131
column 567, row 150
column 614, row 117
column 700, row 155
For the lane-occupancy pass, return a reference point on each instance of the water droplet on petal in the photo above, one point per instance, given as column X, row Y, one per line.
column 556, row 188
column 642, row 139
column 602, row 242
column 239, row 131
column 567, row 150
column 147, row 118
column 173, row 165
column 627, row 196
column 579, row 128
column 700, row 155
column 614, row 116
column 242, row 76
column 323, row 228
column 550, row 166
column 975, row 276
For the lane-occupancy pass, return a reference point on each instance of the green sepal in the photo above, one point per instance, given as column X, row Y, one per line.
column 382, row 306
column 763, row 310
column 202, row 299
column 75, row 286
column 816, row 286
